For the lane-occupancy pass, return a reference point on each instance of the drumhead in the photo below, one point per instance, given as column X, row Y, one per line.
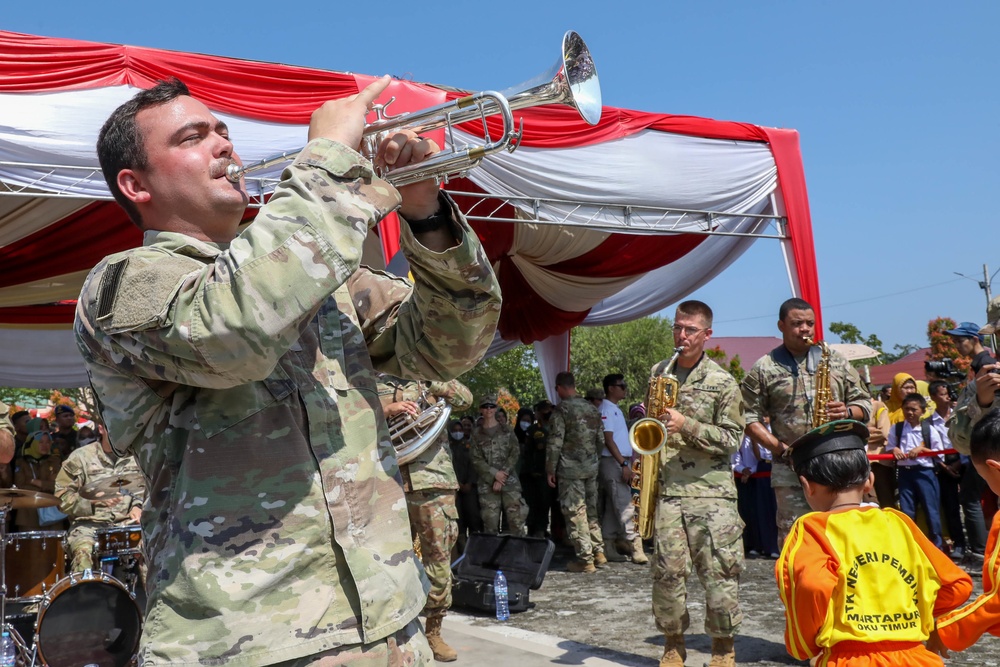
column 88, row 621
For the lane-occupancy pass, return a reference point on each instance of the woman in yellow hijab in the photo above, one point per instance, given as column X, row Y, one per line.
column 903, row 384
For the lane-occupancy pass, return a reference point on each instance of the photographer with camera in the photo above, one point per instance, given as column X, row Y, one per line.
column 968, row 341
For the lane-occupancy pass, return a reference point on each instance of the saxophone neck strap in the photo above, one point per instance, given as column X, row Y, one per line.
column 781, row 356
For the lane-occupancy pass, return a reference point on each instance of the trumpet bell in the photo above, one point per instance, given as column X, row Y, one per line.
column 571, row 81
column 647, row 436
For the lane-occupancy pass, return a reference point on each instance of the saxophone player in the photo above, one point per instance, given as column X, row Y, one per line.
column 782, row 385
column 696, row 518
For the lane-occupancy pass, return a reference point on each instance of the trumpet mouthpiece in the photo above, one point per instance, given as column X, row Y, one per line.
column 234, row 172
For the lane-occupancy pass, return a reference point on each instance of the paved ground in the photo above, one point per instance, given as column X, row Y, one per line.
column 605, row 619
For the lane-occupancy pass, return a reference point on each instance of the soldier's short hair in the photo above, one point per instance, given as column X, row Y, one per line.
column 793, row 304
column 693, row 308
column 120, row 143
column 984, row 443
column 565, row 379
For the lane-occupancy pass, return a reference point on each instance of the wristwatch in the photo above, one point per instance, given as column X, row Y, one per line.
column 625, row 463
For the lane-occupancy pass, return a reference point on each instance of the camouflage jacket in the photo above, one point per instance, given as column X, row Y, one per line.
column 493, row 452
column 786, row 394
column 696, row 461
column 966, row 414
column 576, row 438
column 88, row 464
column 432, row 468
column 242, row 375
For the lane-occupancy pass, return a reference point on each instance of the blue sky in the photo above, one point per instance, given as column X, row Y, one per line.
column 896, row 104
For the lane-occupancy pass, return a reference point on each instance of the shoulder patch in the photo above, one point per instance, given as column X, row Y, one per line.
column 136, row 291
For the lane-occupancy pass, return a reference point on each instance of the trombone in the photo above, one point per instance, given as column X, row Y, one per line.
column 571, row 81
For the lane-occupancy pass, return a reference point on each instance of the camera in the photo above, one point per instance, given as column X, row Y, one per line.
column 943, row 368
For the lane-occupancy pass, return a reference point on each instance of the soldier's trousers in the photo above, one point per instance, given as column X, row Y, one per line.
column 509, row 501
column 789, row 498
column 578, row 501
column 81, row 540
column 434, row 521
column 403, row 648
column 706, row 532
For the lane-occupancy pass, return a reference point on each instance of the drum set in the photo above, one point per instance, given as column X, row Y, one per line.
column 81, row 619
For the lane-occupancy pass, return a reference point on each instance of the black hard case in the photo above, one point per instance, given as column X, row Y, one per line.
column 524, row 561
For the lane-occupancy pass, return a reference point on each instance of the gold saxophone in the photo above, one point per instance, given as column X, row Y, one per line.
column 647, row 437
column 821, row 385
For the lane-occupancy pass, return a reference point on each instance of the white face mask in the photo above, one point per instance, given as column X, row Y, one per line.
column 458, row 435
column 525, row 425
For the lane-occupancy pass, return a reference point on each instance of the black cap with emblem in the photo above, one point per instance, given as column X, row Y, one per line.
column 833, row 436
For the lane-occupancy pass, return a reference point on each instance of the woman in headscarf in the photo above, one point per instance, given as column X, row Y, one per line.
column 36, row 470
column 902, row 385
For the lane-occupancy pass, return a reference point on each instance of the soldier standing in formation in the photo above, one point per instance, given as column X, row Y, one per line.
column 429, row 483
column 576, row 438
column 696, row 516
column 494, row 456
column 781, row 385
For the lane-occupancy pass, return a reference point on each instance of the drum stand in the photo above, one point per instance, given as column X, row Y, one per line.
column 22, row 646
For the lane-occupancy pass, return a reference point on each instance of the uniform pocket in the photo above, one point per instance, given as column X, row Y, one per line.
column 220, row 409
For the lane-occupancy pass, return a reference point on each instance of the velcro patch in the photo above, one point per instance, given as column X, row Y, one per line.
column 137, row 294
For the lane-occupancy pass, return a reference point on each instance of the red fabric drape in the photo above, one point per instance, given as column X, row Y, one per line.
column 55, row 313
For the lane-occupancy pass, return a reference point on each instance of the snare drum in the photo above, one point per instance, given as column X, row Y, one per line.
column 118, row 541
column 34, row 562
column 88, row 618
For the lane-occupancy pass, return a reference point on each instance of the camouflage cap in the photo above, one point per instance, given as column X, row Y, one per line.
column 488, row 399
column 993, row 317
column 595, row 395
column 834, row 436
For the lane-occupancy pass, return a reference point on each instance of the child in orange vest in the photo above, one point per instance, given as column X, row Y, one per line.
column 963, row 627
column 860, row 585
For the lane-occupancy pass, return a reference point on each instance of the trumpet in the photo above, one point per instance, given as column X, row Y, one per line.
column 571, row 81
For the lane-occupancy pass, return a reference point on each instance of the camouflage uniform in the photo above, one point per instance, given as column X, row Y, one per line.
column 576, row 438
column 696, row 516
column 492, row 451
column 784, row 392
column 88, row 464
column 242, row 375
column 430, row 484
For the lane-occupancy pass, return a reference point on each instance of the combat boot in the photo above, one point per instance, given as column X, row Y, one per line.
column 638, row 555
column 723, row 653
column 581, row 566
column 442, row 652
column 600, row 560
column 673, row 651
column 612, row 554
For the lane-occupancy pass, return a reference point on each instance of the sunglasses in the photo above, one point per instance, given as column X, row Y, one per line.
column 488, row 406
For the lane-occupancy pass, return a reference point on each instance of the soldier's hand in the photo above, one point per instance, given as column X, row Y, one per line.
column 343, row 120
column 497, row 487
column 837, row 410
column 673, row 420
column 501, row 477
column 987, row 384
column 402, row 407
column 552, row 480
column 135, row 514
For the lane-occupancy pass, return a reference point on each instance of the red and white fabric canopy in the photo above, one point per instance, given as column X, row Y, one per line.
column 649, row 206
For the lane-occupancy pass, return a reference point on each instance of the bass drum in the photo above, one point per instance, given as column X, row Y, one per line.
column 88, row 618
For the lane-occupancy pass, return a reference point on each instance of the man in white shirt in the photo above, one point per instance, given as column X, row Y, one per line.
column 908, row 440
column 615, row 476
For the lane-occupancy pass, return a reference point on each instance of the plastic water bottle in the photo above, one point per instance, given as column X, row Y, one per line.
column 8, row 651
column 500, row 593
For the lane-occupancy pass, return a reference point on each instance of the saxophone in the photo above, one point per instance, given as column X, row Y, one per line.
column 821, row 385
column 647, row 437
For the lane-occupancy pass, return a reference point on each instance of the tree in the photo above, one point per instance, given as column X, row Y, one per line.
column 848, row 333
column 514, row 372
column 734, row 365
column 629, row 348
column 942, row 345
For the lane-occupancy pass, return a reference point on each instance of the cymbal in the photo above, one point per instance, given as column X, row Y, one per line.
column 19, row 499
column 114, row 485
